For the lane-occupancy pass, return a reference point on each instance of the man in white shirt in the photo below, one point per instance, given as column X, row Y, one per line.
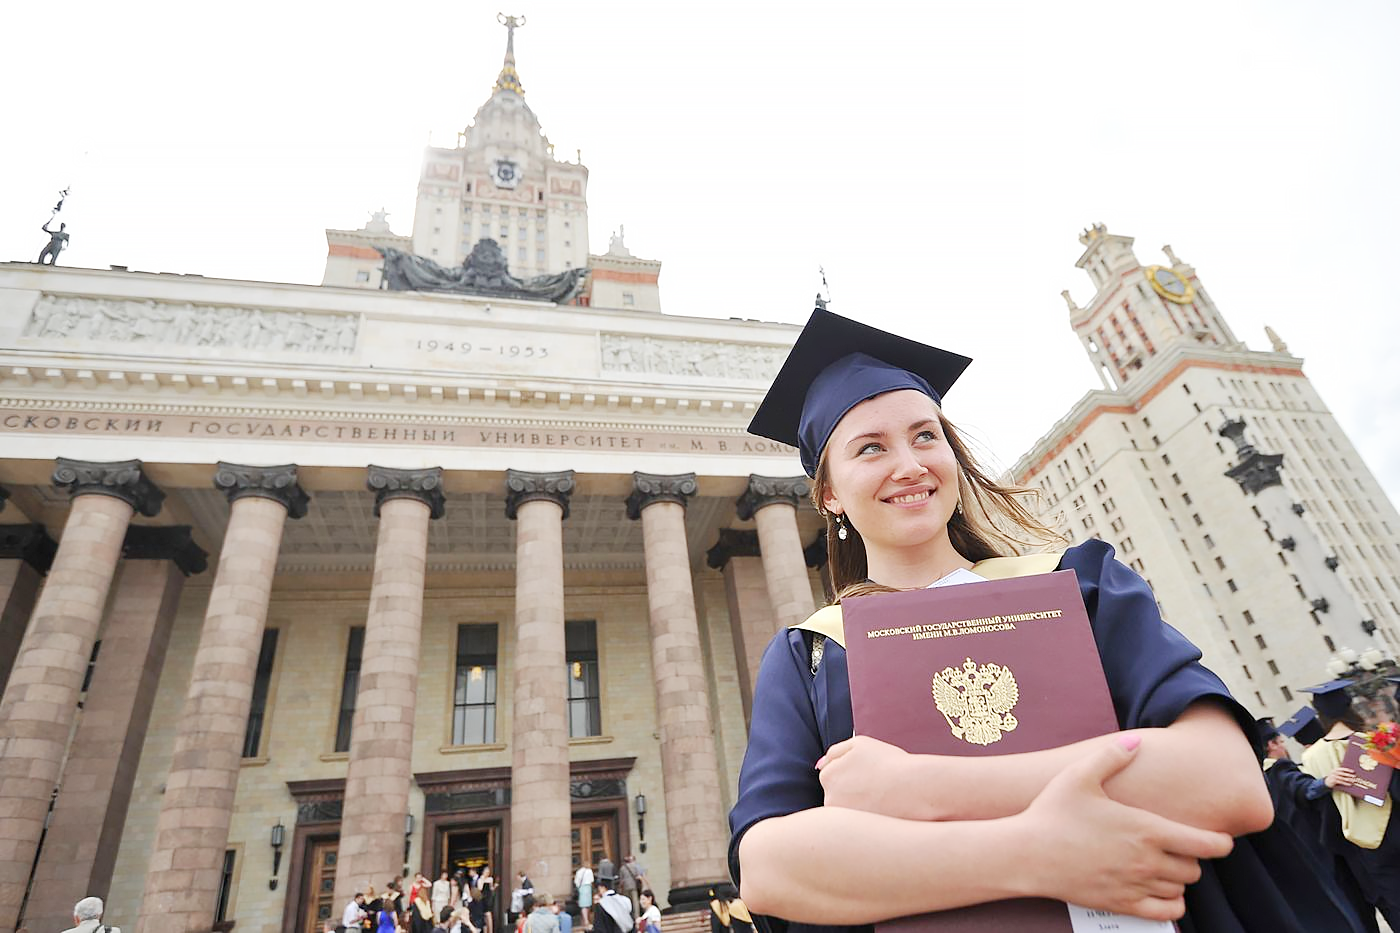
column 354, row 912
column 87, row 917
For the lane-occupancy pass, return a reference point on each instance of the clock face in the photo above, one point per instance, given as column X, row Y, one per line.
column 1169, row 285
column 505, row 173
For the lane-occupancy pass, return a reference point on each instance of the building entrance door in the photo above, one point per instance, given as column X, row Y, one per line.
column 470, row 847
column 319, row 892
column 594, row 838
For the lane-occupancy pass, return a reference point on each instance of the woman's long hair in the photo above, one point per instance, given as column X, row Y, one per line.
column 991, row 522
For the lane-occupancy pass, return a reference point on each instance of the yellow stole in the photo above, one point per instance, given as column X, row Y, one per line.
column 827, row 621
column 1363, row 824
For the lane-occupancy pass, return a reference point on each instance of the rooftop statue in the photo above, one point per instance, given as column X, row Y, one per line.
column 484, row 272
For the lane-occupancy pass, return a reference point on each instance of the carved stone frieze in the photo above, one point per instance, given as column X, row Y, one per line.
column 733, row 542
column 29, row 543
column 674, row 357
column 652, row 487
column 1257, row 471
column 769, row 490
column 522, row 487
column 278, row 483
column 424, row 485
column 122, row 480
column 190, row 325
column 170, row 542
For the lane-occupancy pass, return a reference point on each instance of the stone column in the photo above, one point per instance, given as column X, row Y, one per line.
column 695, row 824
column 182, row 880
column 26, row 553
column 771, row 501
column 85, row 827
column 540, row 816
column 381, row 736
column 41, row 698
column 751, row 619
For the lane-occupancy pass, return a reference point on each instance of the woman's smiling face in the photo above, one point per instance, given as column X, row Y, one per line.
column 891, row 471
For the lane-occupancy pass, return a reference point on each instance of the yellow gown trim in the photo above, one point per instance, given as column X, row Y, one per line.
column 1362, row 823
column 827, row 621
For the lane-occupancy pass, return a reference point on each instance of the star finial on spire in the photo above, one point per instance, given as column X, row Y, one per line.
column 509, row 80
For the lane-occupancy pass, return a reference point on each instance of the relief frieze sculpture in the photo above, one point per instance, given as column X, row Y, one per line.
column 673, row 357
column 191, row 325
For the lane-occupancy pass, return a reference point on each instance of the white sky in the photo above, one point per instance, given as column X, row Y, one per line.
column 938, row 158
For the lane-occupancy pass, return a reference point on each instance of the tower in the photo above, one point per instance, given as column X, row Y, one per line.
column 501, row 181
column 1220, row 475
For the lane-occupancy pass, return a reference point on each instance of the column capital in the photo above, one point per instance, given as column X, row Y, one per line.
column 174, row 543
column 29, row 543
column 522, row 487
column 278, row 483
column 733, row 542
column 654, row 487
column 816, row 552
column 123, row 479
column 423, row 485
column 764, row 491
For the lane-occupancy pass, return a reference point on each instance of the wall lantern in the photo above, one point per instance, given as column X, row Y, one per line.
column 641, row 805
column 279, row 836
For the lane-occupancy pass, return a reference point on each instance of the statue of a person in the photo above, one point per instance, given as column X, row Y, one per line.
column 58, row 241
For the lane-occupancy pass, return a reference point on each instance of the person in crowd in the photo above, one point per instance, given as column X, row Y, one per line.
column 477, row 914
column 87, row 917
column 1362, row 835
column 441, row 893
column 391, row 908
column 606, row 867
column 651, row 914
column 612, row 912
column 583, row 885
column 906, row 506
column 566, row 919
column 542, row 918
column 372, row 905
column 420, row 907
column 352, row 917
column 524, row 887
column 632, row 879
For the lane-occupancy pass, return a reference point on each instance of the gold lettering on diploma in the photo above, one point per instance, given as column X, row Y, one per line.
column 1006, row 623
column 976, row 701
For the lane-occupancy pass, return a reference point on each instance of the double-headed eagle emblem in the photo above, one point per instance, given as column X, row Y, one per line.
column 977, row 701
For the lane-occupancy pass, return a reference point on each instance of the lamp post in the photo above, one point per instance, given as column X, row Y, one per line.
column 279, row 836
column 641, row 805
column 407, row 840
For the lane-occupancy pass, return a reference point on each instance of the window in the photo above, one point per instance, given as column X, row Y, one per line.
column 628, row 298
column 225, row 887
column 581, row 662
column 252, row 738
column 1232, row 586
column 362, row 275
column 539, row 256
column 1248, row 619
column 349, row 687
column 1287, row 694
column 520, row 254
column 474, row 693
column 1207, row 540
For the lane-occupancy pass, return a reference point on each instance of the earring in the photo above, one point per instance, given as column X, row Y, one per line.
column 957, row 508
column 841, row 526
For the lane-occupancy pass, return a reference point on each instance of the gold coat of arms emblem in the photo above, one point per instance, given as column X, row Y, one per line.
column 977, row 700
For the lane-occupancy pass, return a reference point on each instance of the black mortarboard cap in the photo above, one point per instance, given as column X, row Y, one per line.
column 836, row 364
column 1331, row 699
column 1302, row 726
column 1265, row 728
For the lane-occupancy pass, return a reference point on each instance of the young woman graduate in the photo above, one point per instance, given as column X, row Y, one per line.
column 831, row 831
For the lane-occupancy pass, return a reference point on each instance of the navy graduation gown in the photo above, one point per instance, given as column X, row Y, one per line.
column 1153, row 672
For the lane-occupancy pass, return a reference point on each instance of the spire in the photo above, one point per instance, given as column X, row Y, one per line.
column 508, row 80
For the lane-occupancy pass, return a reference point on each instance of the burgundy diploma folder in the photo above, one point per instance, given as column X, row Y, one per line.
column 989, row 668
column 1374, row 776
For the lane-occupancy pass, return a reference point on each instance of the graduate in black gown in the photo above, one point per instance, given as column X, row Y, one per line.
column 830, row 831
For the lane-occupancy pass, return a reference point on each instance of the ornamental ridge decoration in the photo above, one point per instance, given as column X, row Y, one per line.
column 522, row 487
column 191, row 325
column 423, row 485
column 122, row 480
column 648, row 488
column 278, row 483
column 764, row 491
column 675, row 357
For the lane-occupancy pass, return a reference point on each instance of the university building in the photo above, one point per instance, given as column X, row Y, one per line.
column 1219, row 473
column 305, row 586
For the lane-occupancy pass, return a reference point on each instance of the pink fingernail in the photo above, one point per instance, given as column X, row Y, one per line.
column 820, row 761
column 1129, row 742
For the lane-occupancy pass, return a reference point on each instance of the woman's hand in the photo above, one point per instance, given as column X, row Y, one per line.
column 1105, row 855
column 1340, row 777
column 866, row 774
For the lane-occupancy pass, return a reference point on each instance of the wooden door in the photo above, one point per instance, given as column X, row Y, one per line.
column 319, row 897
column 594, row 838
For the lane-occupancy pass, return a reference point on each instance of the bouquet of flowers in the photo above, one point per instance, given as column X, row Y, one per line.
column 1383, row 744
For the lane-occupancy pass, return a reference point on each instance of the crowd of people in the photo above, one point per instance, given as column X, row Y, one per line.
column 465, row 902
